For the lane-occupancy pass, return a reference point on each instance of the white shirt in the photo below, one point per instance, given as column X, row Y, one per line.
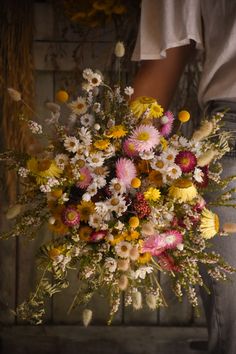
column 211, row 24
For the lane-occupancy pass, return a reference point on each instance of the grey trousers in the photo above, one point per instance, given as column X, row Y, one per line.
column 220, row 305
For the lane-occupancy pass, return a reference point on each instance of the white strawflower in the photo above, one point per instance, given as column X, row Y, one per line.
column 87, row 317
column 137, row 300
column 51, row 220
column 95, row 221
column 14, row 94
column 174, row 171
column 71, row 144
column 147, row 155
column 128, row 90
column 119, row 49
column 86, row 197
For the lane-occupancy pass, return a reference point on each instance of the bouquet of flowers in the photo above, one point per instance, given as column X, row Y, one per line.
column 124, row 196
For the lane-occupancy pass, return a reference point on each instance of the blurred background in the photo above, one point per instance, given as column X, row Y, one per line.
column 44, row 46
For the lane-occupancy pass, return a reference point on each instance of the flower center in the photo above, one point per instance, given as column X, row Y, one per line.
column 44, row 165
column 117, row 187
column 144, row 136
column 217, row 223
column 160, row 164
column 71, row 215
column 80, row 105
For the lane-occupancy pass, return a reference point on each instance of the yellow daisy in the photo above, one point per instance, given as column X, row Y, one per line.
column 183, row 189
column 130, row 235
column 85, row 210
column 101, row 144
column 152, row 194
column 117, row 239
column 210, row 225
column 117, row 132
column 43, row 169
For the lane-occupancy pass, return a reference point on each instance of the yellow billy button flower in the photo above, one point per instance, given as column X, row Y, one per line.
column 183, row 189
column 210, row 225
column 152, row 194
column 134, row 222
column 101, row 144
column 62, row 96
column 136, row 182
column 184, row 116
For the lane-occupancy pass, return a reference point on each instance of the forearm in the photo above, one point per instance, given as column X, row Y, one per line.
column 159, row 78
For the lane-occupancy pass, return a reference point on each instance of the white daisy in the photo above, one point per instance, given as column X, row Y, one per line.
column 198, row 175
column 95, row 160
column 110, row 151
column 62, row 160
column 79, row 106
column 95, row 79
column 85, row 136
column 169, row 154
column 147, row 155
column 92, row 189
column 110, row 264
column 87, row 73
column 116, row 202
column 174, row 171
column 101, row 209
column 71, row 144
column 183, row 142
column 95, row 221
column 119, row 226
column 128, row 90
column 123, row 249
column 116, row 186
column 86, row 197
column 159, row 164
column 100, row 181
column 87, row 120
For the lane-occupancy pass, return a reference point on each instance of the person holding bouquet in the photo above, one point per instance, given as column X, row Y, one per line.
column 170, row 34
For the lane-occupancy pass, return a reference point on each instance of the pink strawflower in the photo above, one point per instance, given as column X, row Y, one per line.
column 97, row 236
column 172, row 238
column 70, row 216
column 186, row 160
column 125, row 171
column 154, row 244
column 145, row 137
column 85, row 178
column 166, row 123
column 129, row 148
column 167, row 262
column 141, row 206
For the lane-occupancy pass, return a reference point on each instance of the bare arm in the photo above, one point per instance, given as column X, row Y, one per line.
column 159, row 78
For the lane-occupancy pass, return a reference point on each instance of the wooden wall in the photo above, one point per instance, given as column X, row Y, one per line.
column 164, row 331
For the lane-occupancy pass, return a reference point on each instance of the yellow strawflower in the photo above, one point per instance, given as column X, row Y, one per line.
column 144, row 258
column 152, row 194
column 85, row 210
column 183, row 189
column 210, row 225
column 43, row 169
column 142, row 103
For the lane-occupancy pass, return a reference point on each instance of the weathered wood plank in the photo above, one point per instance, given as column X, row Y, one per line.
column 49, row 56
column 176, row 313
column 8, row 276
column 98, row 340
column 27, row 269
column 43, row 21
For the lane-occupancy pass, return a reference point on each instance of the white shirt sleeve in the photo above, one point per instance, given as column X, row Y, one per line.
column 167, row 24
